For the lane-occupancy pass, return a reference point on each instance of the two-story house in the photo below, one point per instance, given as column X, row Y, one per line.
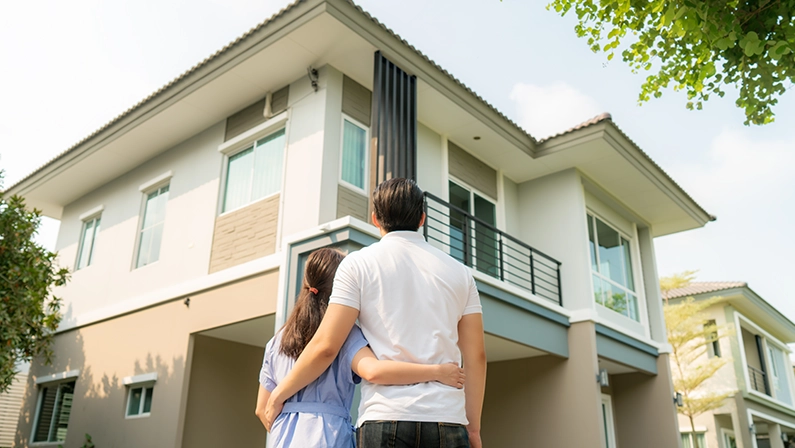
column 186, row 221
column 760, row 413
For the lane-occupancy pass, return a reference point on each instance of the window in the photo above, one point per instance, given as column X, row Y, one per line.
column 687, row 440
column 139, row 400
column 611, row 264
column 354, row 154
column 481, row 250
column 254, row 172
column 607, row 421
column 778, row 373
column 52, row 412
column 729, row 441
column 712, row 337
column 85, row 253
column 154, row 216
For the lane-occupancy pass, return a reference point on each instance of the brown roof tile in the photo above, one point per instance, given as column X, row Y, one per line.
column 696, row 288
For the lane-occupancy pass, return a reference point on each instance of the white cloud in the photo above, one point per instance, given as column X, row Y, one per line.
column 748, row 184
column 546, row 110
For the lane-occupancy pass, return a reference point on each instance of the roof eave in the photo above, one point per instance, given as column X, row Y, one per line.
column 608, row 130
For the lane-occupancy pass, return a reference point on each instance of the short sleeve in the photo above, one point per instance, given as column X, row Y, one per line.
column 473, row 298
column 266, row 377
column 346, row 290
column 355, row 342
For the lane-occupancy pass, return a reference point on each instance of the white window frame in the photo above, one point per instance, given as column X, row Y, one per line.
column 366, row 129
column 472, row 192
column 46, row 382
column 634, row 260
column 741, row 321
column 146, row 189
column 238, row 145
column 724, row 437
column 607, row 404
column 92, row 215
column 143, row 382
column 689, row 433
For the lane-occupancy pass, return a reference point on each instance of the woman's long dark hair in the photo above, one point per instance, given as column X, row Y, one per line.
column 310, row 307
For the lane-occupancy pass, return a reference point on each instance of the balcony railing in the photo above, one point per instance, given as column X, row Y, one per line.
column 487, row 249
column 758, row 380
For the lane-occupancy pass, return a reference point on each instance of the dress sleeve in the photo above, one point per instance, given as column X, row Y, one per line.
column 473, row 300
column 350, row 348
column 266, row 377
column 346, row 290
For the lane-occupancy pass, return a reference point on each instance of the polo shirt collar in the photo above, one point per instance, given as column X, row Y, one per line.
column 404, row 235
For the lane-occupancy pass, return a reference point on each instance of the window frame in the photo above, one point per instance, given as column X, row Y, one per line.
column 144, row 386
column 366, row 177
column 244, row 142
column 713, row 350
column 725, row 434
column 689, row 435
column 634, row 264
column 610, row 434
column 740, row 321
column 95, row 218
column 68, row 377
column 472, row 192
column 146, row 190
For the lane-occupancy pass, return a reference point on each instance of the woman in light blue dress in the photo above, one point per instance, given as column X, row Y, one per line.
column 318, row 416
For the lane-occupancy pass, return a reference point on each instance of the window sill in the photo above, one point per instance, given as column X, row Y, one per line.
column 135, row 417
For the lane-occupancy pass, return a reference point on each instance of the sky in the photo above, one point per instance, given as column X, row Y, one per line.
column 70, row 67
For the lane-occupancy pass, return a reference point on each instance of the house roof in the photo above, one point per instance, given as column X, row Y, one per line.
column 227, row 47
column 520, row 137
column 696, row 288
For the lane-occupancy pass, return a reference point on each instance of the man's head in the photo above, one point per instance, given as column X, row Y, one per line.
column 397, row 205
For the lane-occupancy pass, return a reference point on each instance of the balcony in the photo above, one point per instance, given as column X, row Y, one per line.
column 758, row 380
column 491, row 251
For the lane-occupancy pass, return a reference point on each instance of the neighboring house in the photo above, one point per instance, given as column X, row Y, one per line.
column 761, row 412
column 187, row 219
column 10, row 405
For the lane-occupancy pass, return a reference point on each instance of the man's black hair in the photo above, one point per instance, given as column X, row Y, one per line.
column 397, row 203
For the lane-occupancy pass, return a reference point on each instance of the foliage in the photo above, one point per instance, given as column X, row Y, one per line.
column 676, row 281
column 29, row 315
column 699, row 46
column 690, row 333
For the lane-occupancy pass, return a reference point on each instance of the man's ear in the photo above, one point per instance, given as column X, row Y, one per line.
column 375, row 220
column 422, row 220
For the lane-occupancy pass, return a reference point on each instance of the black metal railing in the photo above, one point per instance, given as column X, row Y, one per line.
column 483, row 247
column 758, row 380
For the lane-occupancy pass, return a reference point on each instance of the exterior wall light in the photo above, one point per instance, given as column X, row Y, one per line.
column 602, row 378
column 678, row 399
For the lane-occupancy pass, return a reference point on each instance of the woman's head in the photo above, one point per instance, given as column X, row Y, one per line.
column 310, row 307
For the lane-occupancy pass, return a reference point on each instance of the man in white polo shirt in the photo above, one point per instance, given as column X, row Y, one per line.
column 414, row 304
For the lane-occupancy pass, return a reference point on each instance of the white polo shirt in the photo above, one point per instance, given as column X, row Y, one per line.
column 410, row 298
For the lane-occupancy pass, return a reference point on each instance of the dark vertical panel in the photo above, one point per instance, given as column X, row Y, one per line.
column 394, row 121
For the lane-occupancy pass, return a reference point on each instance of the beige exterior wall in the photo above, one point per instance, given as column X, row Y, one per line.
column 153, row 340
column 644, row 410
column 351, row 203
column 546, row 401
column 469, row 169
column 222, row 395
column 245, row 234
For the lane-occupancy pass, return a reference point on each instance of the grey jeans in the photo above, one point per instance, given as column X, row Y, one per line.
column 402, row 434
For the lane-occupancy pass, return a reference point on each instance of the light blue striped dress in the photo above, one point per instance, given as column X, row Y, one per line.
column 319, row 414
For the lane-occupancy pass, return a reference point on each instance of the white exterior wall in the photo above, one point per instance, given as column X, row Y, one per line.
column 510, row 200
column 309, row 191
column 312, row 162
column 552, row 219
column 431, row 167
column 187, row 232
